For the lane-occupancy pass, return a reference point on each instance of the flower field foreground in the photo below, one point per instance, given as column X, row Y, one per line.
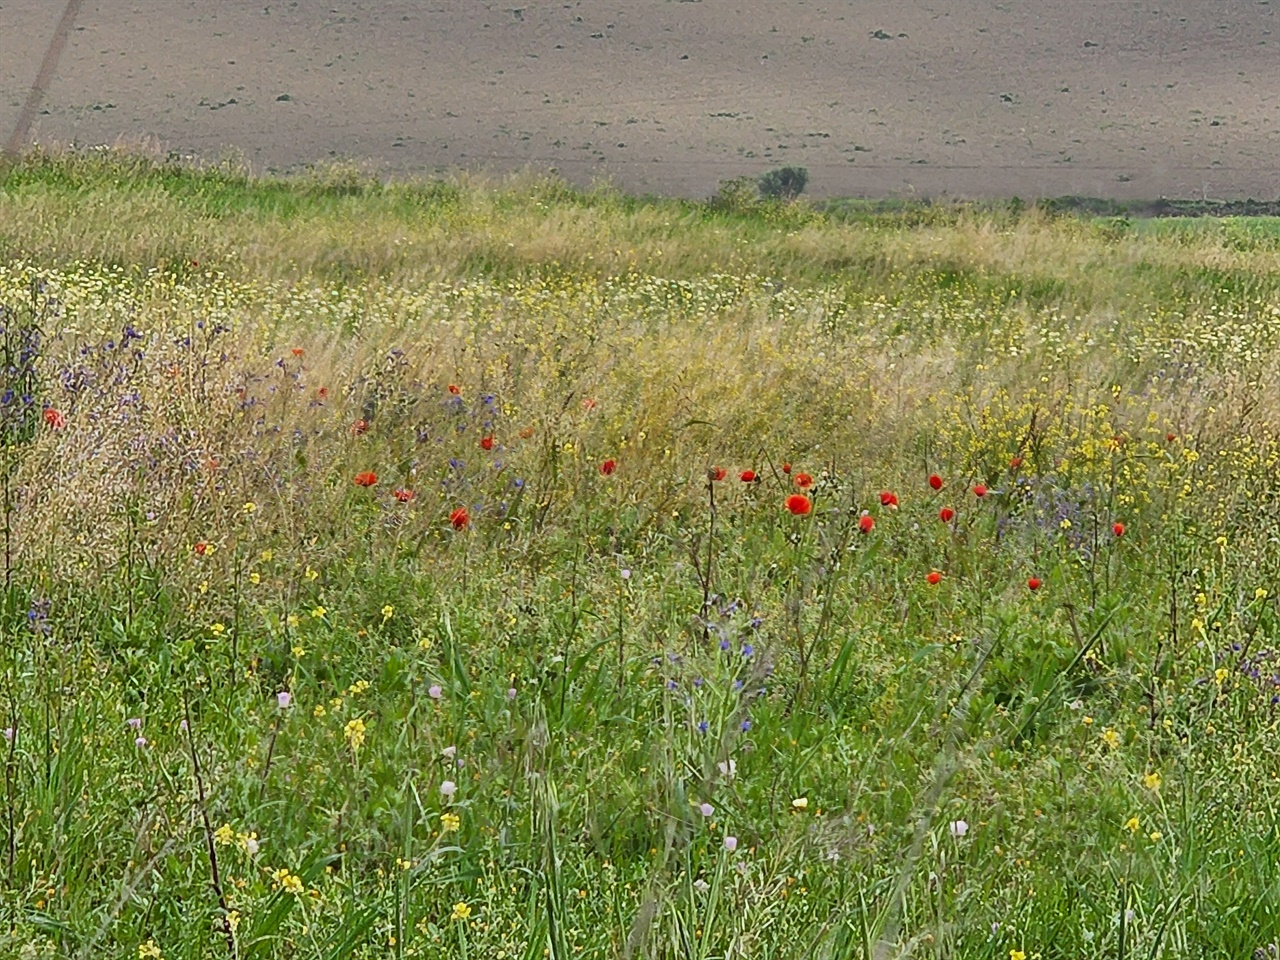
column 566, row 613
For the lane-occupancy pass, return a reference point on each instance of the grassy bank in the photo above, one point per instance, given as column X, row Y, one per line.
column 499, row 570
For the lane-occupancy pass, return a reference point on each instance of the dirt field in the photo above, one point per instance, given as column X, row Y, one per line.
column 875, row 97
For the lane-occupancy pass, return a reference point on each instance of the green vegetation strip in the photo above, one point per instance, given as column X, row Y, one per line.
column 501, row 570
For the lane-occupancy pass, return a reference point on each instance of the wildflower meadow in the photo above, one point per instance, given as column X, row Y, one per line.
column 501, row 570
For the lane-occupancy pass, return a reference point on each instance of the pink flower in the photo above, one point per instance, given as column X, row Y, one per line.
column 283, row 699
column 731, row 843
column 434, row 691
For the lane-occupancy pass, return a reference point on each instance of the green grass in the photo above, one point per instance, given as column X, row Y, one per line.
column 531, row 733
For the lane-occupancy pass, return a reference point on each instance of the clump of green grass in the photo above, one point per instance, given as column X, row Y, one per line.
column 385, row 592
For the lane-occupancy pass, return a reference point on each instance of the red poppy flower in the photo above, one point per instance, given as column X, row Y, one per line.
column 486, row 443
column 1118, row 528
column 403, row 495
column 866, row 522
column 1015, row 463
column 1033, row 583
column 366, row 479
column 526, row 433
column 945, row 514
column 747, row 476
column 588, row 403
column 54, row 418
column 297, row 351
column 455, row 389
column 201, row 548
column 460, row 518
column 979, row 489
column 934, row 578
column 888, row 498
column 803, row 481
column 608, row 466
column 359, row 427
column 1170, row 437
column 717, row 473
column 799, row 504
column 935, row 481
column 786, row 468
column 322, row 393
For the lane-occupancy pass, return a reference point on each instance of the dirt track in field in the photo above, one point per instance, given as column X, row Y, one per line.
column 875, row 97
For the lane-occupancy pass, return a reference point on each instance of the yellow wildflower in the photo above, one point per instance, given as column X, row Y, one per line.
column 289, row 882
column 1111, row 738
column 1151, row 780
column 1132, row 824
column 224, row 835
column 460, row 911
column 354, row 732
column 450, row 822
column 149, row 951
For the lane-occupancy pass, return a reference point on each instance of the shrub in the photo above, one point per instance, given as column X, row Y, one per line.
column 738, row 193
column 785, row 183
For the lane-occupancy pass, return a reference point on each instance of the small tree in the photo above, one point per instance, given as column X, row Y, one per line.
column 785, row 183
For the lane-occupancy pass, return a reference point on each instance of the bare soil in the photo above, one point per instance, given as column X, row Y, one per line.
column 887, row 98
